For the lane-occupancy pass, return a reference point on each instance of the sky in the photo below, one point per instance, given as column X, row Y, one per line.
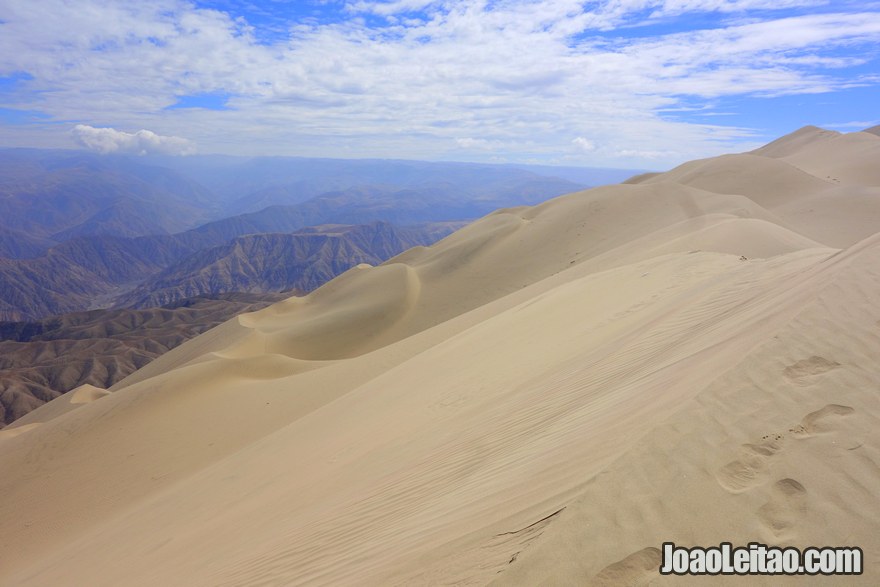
column 641, row 84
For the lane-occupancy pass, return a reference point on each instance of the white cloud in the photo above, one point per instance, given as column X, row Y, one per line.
column 584, row 144
column 641, row 154
column 852, row 125
column 389, row 8
column 479, row 144
column 522, row 75
column 142, row 142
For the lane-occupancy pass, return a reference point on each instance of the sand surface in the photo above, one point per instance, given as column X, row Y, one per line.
column 542, row 398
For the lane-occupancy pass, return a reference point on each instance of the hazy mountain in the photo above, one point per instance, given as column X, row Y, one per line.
column 55, row 195
column 249, row 185
column 98, row 272
column 61, row 194
column 277, row 262
column 15, row 244
column 80, row 230
column 434, row 203
column 42, row 360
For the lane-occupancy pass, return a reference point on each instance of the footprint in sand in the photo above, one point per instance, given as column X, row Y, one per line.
column 809, row 367
column 821, row 420
column 635, row 570
column 787, row 505
column 750, row 469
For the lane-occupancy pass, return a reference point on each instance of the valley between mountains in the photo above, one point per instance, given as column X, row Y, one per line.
column 112, row 240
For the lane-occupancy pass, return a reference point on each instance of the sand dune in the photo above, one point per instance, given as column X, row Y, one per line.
column 542, row 398
column 847, row 159
column 40, row 361
column 790, row 144
column 768, row 182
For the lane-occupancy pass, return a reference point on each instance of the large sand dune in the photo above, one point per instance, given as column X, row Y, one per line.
column 542, row 398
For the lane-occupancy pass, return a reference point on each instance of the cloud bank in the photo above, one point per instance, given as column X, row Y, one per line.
column 508, row 80
column 142, row 142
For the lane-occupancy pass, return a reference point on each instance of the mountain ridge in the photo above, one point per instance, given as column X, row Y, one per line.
column 42, row 360
column 81, row 272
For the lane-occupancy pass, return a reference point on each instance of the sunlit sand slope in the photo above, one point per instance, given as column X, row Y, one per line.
column 542, row 398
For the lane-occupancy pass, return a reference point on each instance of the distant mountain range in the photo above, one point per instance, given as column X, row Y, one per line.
column 50, row 196
column 177, row 245
column 81, row 231
column 251, row 184
column 42, row 358
column 268, row 262
column 94, row 272
column 53, row 196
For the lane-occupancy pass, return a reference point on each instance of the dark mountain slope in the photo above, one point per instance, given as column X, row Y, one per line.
column 112, row 216
column 276, row 262
column 96, row 272
column 41, row 360
column 75, row 275
column 15, row 244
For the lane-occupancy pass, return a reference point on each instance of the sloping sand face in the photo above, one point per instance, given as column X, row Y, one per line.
column 543, row 398
column 781, row 449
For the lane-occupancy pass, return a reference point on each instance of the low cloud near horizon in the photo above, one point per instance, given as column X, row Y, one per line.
column 143, row 142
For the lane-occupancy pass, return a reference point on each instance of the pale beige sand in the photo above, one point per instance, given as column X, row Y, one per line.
column 542, row 398
column 49, row 411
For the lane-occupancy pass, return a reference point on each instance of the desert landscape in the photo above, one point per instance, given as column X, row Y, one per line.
column 103, row 259
column 543, row 397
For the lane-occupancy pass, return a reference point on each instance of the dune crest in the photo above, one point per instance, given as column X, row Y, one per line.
column 543, row 397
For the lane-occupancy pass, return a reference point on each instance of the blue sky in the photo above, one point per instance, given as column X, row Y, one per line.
column 615, row 83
